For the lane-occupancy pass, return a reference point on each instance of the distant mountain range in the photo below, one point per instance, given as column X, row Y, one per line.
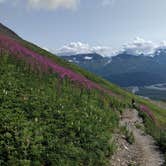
column 125, row 69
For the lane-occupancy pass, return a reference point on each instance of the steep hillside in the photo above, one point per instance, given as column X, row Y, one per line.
column 6, row 31
column 54, row 113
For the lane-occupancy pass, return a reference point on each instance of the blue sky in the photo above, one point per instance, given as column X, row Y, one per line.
column 54, row 23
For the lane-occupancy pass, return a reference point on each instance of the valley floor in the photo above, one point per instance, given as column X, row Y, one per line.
column 143, row 152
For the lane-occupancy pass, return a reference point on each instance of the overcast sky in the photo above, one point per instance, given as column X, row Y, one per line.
column 54, row 23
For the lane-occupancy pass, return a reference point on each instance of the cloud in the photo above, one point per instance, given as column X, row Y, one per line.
column 84, row 48
column 142, row 47
column 138, row 47
column 53, row 4
column 162, row 45
column 47, row 4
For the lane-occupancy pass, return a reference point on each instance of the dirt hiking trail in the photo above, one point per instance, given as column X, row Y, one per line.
column 143, row 152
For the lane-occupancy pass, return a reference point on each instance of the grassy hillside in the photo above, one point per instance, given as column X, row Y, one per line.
column 123, row 95
column 55, row 113
column 48, row 121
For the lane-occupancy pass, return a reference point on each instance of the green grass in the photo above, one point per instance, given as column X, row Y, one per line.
column 128, row 134
column 123, row 95
column 47, row 121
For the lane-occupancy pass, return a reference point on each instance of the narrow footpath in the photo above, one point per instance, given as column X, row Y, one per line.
column 143, row 152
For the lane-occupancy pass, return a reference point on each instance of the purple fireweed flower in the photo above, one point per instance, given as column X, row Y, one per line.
column 44, row 64
column 146, row 110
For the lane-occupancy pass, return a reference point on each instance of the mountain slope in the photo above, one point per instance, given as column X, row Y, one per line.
column 45, row 113
column 55, row 113
column 127, row 70
column 6, row 31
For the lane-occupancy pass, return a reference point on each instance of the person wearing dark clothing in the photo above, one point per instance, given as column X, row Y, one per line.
column 133, row 103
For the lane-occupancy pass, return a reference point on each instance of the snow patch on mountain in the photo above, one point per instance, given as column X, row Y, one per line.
column 87, row 58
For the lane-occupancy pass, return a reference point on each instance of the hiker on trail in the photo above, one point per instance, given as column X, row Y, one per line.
column 133, row 103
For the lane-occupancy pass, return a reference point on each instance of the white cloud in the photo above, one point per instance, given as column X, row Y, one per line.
column 47, row 4
column 162, row 45
column 140, row 46
column 74, row 48
column 53, row 4
column 137, row 47
column 83, row 48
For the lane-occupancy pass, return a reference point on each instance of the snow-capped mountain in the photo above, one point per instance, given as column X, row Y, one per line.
column 125, row 69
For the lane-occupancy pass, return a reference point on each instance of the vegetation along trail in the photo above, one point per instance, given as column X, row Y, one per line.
column 142, row 150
